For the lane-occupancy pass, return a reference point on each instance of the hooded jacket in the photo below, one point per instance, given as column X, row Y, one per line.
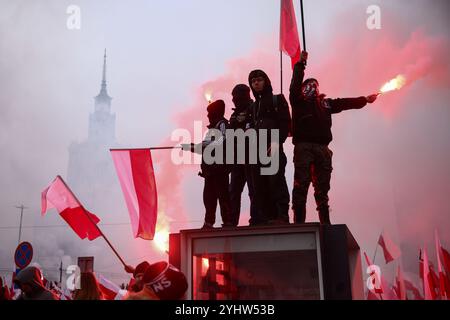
column 269, row 111
column 311, row 118
column 32, row 277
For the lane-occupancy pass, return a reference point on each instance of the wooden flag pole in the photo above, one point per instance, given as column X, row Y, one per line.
column 90, row 219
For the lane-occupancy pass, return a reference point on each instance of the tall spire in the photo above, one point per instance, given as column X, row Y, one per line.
column 104, row 71
column 103, row 96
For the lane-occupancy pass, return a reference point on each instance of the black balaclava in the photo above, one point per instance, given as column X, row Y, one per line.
column 241, row 96
column 267, row 84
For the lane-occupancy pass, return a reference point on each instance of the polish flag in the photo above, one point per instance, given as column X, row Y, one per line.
column 390, row 249
column 442, row 277
column 426, row 277
column 134, row 168
column 109, row 289
column 381, row 288
column 411, row 287
column 59, row 196
column 401, row 288
column 289, row 42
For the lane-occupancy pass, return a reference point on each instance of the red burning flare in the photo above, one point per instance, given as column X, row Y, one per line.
column 395, row 84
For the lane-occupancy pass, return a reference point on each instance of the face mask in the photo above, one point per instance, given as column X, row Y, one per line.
column 310, row 89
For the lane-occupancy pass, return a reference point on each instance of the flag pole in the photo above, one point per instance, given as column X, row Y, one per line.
column 374, row 256
column 90, row 219
column 303, row 25
column 150, row 148
column 281, row 71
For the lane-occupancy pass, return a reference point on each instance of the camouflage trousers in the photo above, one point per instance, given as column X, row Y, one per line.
column 312, row 163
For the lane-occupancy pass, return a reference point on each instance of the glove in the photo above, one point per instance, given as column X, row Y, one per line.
column 372, row 98
column 304, row 57
column 187, row 147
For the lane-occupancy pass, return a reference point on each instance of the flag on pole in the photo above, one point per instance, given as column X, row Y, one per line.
column 289, row 41
column 426, row 277
column 411, row 287
column 401, row 288
column 445, row 258
column 442, row 277
column 381, row 287
column 109, row 289
column 134, row 168
column 58, row 195
column 390, row 249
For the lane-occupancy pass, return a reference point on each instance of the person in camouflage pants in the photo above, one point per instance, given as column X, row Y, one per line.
column 311, row 122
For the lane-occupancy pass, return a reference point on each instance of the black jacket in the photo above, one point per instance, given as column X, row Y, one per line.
column 270, row 112
column 244, row 110
column 214, row 168
column 311, row 119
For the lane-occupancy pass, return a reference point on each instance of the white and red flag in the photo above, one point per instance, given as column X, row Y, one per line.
column 59, row 196
column 289, row 41
column 390, row 250
column 134, row 168
column 400, row 285
column 427, row 277
column 409, row 285
column 109, row 289
column 443, row 278
column 381, row 288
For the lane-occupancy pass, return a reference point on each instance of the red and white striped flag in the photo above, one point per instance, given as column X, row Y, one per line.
column 411, row 287
column 110, row 290
column 134, row 168
column 442, row 277
column 381, row 288
column 59, row 196
column 426, row 277
column 289, row 42
column 390, row 249
column 401, row 288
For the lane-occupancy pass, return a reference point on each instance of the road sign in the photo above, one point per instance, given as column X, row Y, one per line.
column 23, row 255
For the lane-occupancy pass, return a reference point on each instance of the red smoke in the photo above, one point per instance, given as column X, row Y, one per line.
column 385, row 174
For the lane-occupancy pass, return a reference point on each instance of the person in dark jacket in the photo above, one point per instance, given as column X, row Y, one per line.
column 216, row 174
column 270, row 112
column 311, row 116
column 32, row 286
column 240, row 172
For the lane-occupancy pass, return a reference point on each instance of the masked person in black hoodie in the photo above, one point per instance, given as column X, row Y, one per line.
column 270, row 112
column 216, row 174
column 311, row 115
column 240, row 172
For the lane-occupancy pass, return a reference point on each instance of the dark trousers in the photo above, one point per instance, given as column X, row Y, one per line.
column 280, row 192
column 240, row 175
column 271, row 194
column 216, row 190
column 313, row 163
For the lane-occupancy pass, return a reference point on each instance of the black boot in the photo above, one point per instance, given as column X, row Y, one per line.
column 324, row 216
column 300, row 215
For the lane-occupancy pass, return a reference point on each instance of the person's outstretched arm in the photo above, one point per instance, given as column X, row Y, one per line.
column 341, row 104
